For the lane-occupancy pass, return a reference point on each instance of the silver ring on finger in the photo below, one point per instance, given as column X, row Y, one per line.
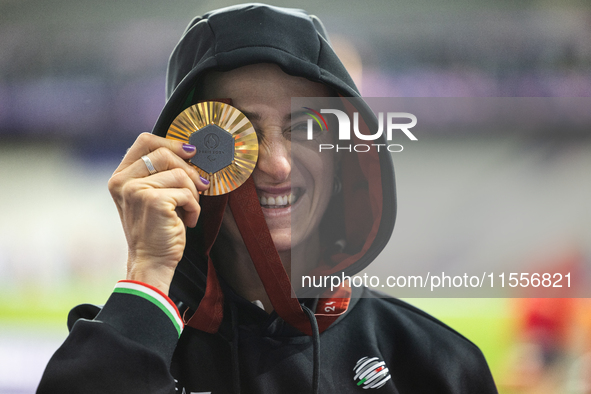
column 149, row 164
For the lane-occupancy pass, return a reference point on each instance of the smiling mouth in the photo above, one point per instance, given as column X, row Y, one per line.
column 282, row 201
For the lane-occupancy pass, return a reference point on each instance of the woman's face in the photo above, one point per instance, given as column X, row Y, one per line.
column 294, row 183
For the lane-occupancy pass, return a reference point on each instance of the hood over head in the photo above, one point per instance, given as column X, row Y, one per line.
column 242, row 35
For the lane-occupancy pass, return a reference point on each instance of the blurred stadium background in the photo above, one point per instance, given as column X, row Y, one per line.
column 79, row 80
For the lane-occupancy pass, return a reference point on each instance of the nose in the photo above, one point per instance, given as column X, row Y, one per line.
column 274, row 161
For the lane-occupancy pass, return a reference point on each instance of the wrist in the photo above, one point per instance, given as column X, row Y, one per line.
column 159, row 278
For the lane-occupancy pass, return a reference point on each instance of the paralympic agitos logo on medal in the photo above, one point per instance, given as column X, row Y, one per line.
column 392, row 121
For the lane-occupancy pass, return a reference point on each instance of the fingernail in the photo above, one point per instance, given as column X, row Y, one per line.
column 205, row 181
column 189, row 148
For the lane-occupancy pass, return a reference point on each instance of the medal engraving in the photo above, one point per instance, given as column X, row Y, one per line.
column 215, row 148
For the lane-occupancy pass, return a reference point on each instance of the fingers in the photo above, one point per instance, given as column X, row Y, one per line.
column 146, row 194
column 184, row 199
column 164, row 160
column 146, row 143
column 164, row 155
column 175, row 178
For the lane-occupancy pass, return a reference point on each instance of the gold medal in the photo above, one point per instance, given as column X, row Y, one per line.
column 227, row 145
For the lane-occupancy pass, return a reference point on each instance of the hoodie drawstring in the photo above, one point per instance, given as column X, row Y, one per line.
column 315, row 341
column 316, row 348
column 235, row 360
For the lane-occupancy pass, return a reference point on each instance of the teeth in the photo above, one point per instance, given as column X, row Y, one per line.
column 278, row 201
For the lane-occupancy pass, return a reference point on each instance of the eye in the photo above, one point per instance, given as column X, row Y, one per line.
column 299, row 130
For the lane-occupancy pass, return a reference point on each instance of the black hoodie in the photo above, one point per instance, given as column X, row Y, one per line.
column 134, row 343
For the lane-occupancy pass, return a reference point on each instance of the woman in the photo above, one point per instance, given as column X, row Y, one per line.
column 228, row 278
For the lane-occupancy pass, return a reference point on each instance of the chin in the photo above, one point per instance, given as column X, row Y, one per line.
column 282, row 240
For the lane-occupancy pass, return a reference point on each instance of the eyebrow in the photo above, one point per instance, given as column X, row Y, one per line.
column 252, row 115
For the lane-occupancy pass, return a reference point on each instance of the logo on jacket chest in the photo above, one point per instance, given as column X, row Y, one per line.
column 371, row 373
